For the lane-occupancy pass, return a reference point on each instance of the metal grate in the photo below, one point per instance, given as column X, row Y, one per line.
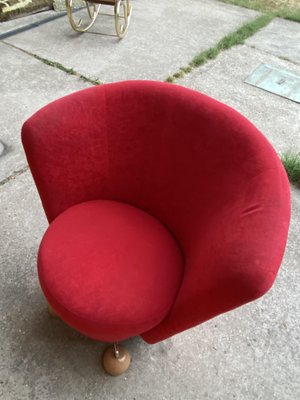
column 278, row 81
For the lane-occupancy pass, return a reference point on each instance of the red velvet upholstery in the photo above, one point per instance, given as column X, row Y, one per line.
column 109, row 270
column 193, row 163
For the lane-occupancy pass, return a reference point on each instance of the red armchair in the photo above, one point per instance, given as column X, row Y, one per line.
column 166, row 208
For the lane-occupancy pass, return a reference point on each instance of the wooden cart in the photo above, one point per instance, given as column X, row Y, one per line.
column 122, row 14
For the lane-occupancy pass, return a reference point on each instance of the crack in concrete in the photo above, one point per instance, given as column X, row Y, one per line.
column 55, row 64
column 269, row 53
column 14, row 175
column 235, row 38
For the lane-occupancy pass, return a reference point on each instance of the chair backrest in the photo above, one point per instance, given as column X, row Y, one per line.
column 195, row 164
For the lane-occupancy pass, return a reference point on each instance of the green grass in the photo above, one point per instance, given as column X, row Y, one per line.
column 233, row 39
column 54, row 64
column 289, row 9
column 292, row 15
column 69, row 71
column 291, row 163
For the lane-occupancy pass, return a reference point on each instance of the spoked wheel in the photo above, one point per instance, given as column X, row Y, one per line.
column 122, row 17
column 83, row 24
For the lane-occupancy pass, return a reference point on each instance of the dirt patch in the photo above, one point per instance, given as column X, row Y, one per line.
column 10, row 9
column 276, row 4
column 268, row 5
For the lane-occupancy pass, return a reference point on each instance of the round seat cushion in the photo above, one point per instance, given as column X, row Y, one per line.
column 109, row 270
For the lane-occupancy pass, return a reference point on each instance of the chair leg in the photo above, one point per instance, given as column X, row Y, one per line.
column 116, row 360
column 52, row 312
column 122, row 23
column 82, row 25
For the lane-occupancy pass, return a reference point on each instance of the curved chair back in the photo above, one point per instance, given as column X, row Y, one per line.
column 195, row 164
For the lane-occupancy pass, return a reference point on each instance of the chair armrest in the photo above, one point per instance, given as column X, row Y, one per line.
column 237, row 259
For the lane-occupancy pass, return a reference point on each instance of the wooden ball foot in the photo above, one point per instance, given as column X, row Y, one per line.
column 116, row 364
column 52, row 312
